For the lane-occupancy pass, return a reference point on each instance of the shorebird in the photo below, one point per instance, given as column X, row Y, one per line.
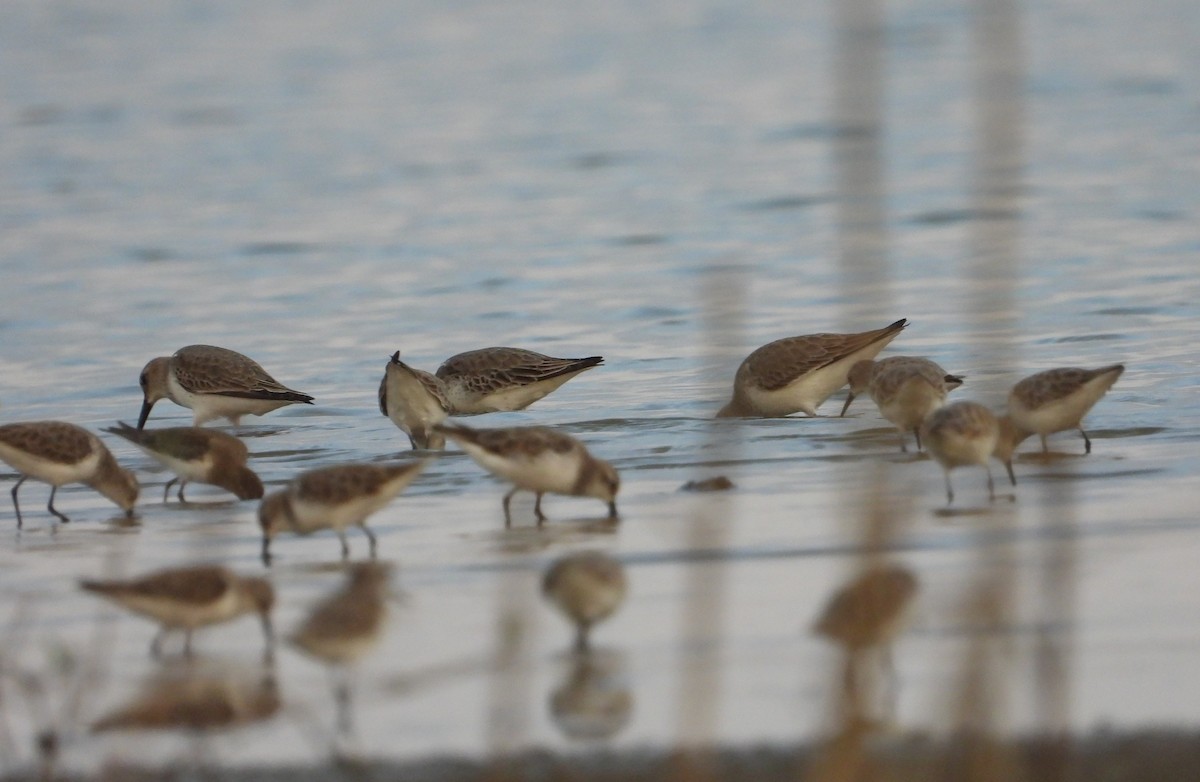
column 200, row 455
column 333, row 498
column 488, row 380
column 906, row 389
column 415, row 401
column 866, row 615
column 345, row 626
column 539, row 460
column 799, row 373
column 187, row 598
column 587, row 587
column 1058, row 399
column 59, row 453
column 215, row 383
column 963, row 434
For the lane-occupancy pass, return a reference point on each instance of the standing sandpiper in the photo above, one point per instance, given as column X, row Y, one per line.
column 799, row 373
column 488, row 380
column 333, row 498
column 587, row 587
column 59, row 453
column 215, row 383
column 539, row 460
column 1058, row 399
column 906, row 389
column 200, row 455
column 187, row 598
column 964, row 434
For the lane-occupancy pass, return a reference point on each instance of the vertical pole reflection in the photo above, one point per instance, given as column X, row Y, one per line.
column 992, row 268
column 858, row 160
column 704, row 582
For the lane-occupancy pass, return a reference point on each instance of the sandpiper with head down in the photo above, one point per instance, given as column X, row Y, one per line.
column 199, row 455
column 188, row 598
column 415, row 401
column 488, row 380
column 587, row 587
column 334, row 498
column 965, row 434
column 343, row 627
column 1058, row 399
column 906, row 389
column 799, row 373
column 215, row 383
column 59, row 453
column 539, row 460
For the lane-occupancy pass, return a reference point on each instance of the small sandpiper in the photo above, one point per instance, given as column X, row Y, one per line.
column 343, row 627
column 200, row 455
column 539, row 460
column 59, row 453
column 1058, row 399
column 488, row 380
column 964, row 434
column 188, row 598
column 870, row 610
column 906, row 389
column 215, row 383
column 799, row 373
column 587, row 587
column 415, row 401
column 333, row 498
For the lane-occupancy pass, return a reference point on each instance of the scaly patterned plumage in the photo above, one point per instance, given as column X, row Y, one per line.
column 961, row 435
column 539, row 460
column 59, row 453
column 415, row 401
column 334, row 498
column 799, row 373
column 1058, row 399
column 215, row 383
column 200, row 455
column 906, row 389
column 188, row 598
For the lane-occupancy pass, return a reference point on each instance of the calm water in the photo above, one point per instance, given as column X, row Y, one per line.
column 318, row 185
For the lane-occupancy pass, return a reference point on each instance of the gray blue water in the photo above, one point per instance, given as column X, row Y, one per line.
column 320, row 184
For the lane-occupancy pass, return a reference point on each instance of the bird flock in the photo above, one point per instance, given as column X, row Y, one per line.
column 795, row 374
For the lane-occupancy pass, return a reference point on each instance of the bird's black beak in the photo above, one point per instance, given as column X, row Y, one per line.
column 266, row 551
column 146, row 406
column 845, row 407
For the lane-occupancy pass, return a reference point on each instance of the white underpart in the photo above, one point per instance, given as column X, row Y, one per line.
column 807, row 392
column 53, row 473
column 954, row 450
column 549, row 471
column 912, row 403
column 312, row 516
column 502, row 399
column 209, row 407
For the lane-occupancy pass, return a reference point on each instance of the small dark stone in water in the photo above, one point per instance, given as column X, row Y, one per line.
column 716, row 483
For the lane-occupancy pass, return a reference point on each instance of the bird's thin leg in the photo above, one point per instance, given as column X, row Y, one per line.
column 1087, row 443
column 370, row 537
column 50, row 505
column 187, row 643
column 537, row 509
column 507, row 499
column 949, row 491
column 1012, row 477
column 991, row 485
column 1045, row 446
column 345, row 544
column 156, row 644
column 167, row 488
column 182, row 484
column 16, row 505
column 917, row 434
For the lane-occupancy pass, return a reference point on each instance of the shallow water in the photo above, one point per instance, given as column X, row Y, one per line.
column 318, row 188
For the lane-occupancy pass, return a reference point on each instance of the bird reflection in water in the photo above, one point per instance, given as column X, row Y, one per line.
column 593, row 701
